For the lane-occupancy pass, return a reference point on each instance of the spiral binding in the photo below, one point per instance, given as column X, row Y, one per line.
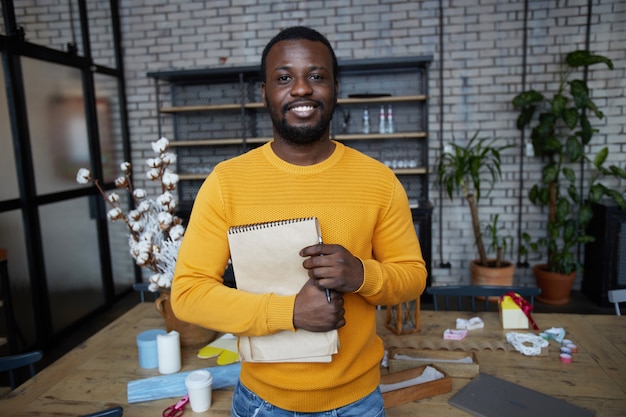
column 265, row 225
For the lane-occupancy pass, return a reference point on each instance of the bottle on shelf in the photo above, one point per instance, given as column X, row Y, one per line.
column 381, row 120
column 366, row 121
column 390, row 127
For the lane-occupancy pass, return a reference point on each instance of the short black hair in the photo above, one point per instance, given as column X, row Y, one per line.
column 292, row 34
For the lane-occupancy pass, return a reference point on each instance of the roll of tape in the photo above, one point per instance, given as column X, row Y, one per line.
column 566, row 350
column 572, row 347
column 565, row 358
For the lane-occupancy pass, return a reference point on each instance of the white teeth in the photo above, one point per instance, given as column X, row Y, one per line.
column 302, row 108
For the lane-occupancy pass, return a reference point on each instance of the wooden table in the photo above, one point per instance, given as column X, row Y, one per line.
column 94, row 375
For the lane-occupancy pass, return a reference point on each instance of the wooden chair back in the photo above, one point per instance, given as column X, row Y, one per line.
column 465, row 295
column 12, row 363
column 616, row 297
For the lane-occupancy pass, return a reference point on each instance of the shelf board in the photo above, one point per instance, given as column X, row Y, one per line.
column 239, row 141
column 190, row 177
column 215, row 142
column 411, row 171
column 370, row 136
column 259, row 105
column 210, row 107
column 383, row 99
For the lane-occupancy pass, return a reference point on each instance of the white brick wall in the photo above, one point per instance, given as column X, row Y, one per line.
column 482, row 72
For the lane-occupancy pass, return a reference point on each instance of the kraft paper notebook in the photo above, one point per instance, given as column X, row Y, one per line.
column 265, row 258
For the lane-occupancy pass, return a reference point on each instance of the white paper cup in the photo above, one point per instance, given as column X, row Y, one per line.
column 199, row 386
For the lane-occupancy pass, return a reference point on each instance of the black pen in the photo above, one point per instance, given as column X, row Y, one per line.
column 319, row 240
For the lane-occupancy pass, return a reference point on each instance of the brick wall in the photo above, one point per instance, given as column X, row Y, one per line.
column 479, row 58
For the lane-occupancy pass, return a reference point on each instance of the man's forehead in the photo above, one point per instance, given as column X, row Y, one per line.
column 315, row 52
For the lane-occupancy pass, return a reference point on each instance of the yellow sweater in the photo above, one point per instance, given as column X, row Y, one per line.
column 361, row 205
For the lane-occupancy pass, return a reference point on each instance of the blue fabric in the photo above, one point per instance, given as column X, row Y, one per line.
column 247, row 404
column 167, row 386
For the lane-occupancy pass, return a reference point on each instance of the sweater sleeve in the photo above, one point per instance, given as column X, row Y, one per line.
column 396, row 272
column 198, row 293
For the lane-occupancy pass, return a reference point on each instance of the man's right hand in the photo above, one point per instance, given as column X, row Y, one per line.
column 313, row 312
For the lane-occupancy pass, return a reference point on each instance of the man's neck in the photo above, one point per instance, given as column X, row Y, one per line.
column 303, row 155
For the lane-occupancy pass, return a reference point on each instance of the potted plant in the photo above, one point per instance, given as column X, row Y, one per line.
column 471, row 171
column 561, row 131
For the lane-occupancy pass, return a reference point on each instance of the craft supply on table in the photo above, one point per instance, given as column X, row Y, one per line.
column 168, row 348
column 454, row 363
column 198, row 385
column 568, row 344
column 527, row 343
column 453, row 334
column 413, row 384
column 471, row 324
column 224, row 347
column 177, row 409
column 554, row 333
column 147, row 348
column 515, row 312
column 173, row 385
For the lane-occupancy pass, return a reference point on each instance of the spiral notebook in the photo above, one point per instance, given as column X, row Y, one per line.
column 265, row 258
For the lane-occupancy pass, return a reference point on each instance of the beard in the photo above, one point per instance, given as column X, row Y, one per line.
column 301, row 135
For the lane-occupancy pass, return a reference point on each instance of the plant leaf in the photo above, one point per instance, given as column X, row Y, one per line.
column 527, row 98
column 550, row 173
column 559, row 103
column 596, row 192
column 580, row 93
column 525, row 116
column 586, row 131
column 585, row 58
column 569, row 174
column 600, row 157
column 617, row 171
column 573, row 149
column 570, row 117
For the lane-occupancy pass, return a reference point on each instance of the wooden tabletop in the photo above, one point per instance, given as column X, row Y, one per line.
column 95, row 374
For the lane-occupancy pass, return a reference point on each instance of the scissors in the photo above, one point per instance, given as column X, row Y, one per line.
column 178, row 409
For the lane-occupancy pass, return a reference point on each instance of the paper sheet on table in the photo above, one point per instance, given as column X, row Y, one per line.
column 173, row 385
column 429, row 374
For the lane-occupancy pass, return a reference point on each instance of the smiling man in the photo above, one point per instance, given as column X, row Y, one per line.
column 371, row 256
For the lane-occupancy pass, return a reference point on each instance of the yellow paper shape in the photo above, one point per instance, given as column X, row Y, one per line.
column 225, row 348
column 227, row 357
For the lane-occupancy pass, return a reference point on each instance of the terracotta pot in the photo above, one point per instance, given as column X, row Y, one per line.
column 191, row 335
column 555, row 287
column 485, row 275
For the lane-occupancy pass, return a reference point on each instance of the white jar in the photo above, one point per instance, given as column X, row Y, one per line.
column 199, row 386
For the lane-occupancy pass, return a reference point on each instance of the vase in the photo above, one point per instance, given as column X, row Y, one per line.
column 191, row 335
column 555, row 287
column 490, row 275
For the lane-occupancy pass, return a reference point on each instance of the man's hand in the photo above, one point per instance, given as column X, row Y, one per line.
column 333, row 267
column 314, row 313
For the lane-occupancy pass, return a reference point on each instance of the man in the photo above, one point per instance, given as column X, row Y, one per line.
column 371, row 254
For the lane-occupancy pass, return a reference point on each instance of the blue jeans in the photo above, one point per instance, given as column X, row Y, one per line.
column 248, row 404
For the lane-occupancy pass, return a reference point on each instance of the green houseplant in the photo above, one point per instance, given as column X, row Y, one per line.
column 471, row 171
column 560, row 131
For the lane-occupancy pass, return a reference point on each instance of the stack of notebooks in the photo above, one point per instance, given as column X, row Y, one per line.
column 265, row 259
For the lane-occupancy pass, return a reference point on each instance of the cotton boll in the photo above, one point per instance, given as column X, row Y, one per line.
column 115, row 214
column 83, row 176
column 160, row 145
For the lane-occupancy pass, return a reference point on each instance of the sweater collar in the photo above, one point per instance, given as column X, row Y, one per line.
column 329, row 162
